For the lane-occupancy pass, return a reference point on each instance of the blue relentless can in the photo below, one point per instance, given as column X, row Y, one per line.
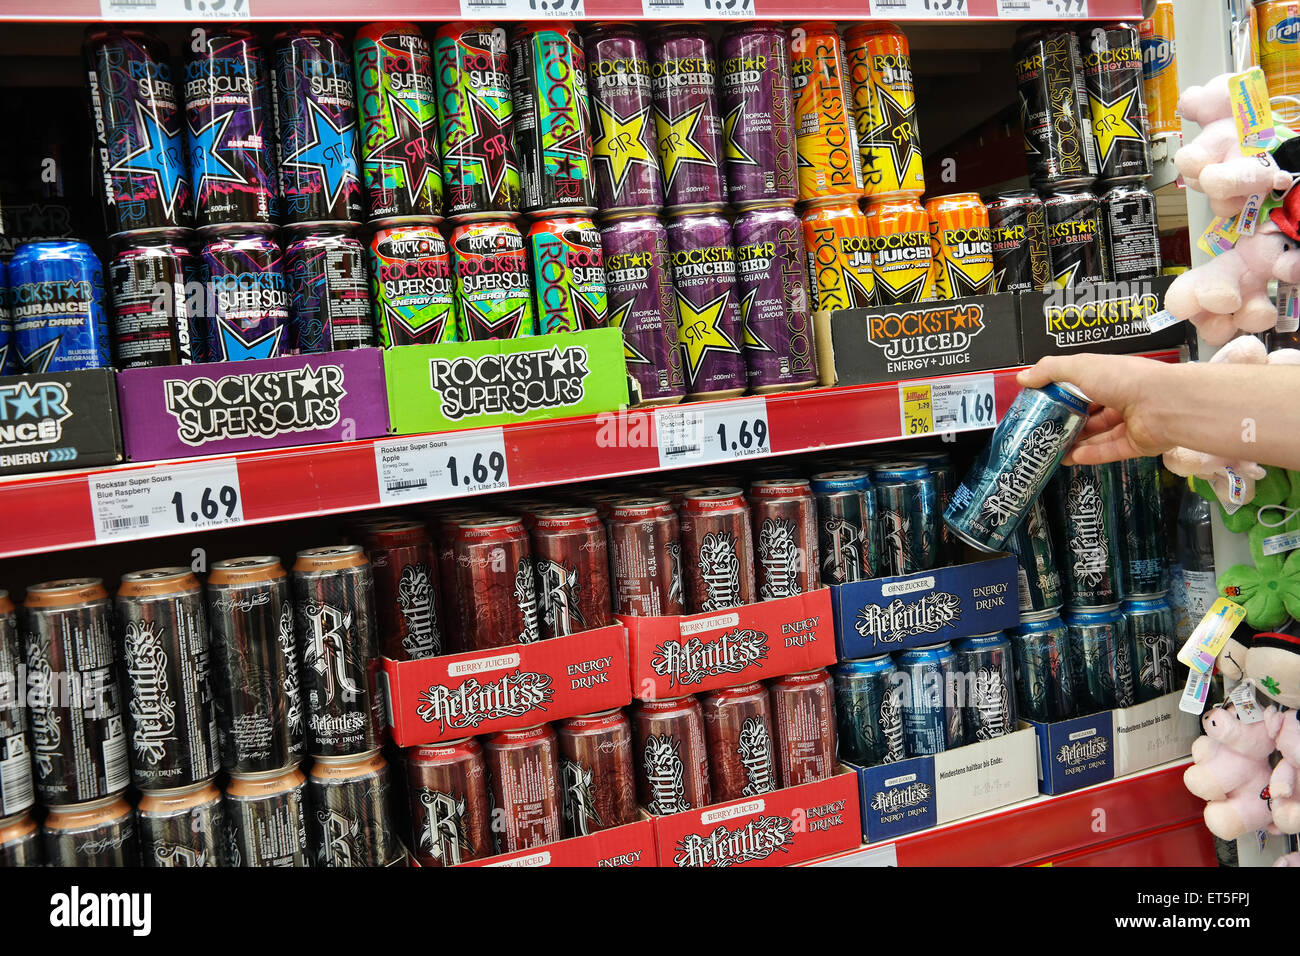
column 932, row 719
column 988, row 694
column 868, row 711
column 1150, row 623
column 1044, row 685
column 945, row 482
column 1014, row 467
column 56, row 292
column 1102, row 655
column 846, row 526
column 248, row 304
column 1086, row 504
column 8, row 356
column 907, row 517
column 1144, row 564
column 1039, row 579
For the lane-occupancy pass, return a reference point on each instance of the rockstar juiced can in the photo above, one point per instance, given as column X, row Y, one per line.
column 884, row 108
column 900, row 251
column 838, row 246
column 758, row 114
column 708, row 302
column 625, row 152
column 683, row 75
column 829, row 162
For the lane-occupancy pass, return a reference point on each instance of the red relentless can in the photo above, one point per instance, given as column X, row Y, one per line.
column 803, row 720
column 451, row 818
column 596, row 775
column 672, row 755
column 784, row 513
column 717, row 548
column 494, row 583
column 572, row 563
column 406, row 600
column 738, row 723
column 645, row 552
column 525, row 775
column 447, row 524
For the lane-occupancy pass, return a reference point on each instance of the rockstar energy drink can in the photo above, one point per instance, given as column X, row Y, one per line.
column 1059, row 145
column 1160, row 70
column 962, row 246
column 900, row 251
column 827, row 140
column 1112, row 69
column 884, row 107
column 1075, row 238
column 839, row 255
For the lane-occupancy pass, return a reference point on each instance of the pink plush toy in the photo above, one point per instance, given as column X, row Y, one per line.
column 1285, row 781
column 1231, row 770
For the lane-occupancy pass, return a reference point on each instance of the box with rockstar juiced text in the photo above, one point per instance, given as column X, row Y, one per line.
column 58, row 420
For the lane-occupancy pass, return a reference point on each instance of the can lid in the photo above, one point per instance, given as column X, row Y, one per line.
column 156, row 574
column 71, row 808
column 639, row 504
column 340, row 760
column 157, row 582
column 1072, row 389
column 254, row 775
column 1035, row 617
column 65, row 591
column 901, row 469
column 330, row 557
column 482, row 522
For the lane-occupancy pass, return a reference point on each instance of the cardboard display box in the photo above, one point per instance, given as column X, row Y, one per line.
column 626, row 846
column 690, row 654
column 58, row 420
column 505, row 688
column 1107, row 317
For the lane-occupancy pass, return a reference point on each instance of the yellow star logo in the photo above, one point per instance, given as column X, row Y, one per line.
column 677, row 143
column 619, row 142
column 735, row 153
column 700, row 330
column 1110, row 122
column 618, row 320
column 749, row 336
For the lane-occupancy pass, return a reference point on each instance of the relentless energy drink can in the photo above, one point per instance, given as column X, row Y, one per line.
column 571, row 561
column 900, row 251
column 247, row 299
column 352, row 815
column 184, row 826
column 1086, row 503
column 1160, row 70
column 267, row 818
column 708, row 303
column 492, row 289
column 1059, row 143
column 645, row 556
column 476, row 120
column 568, row 274
column 16, row 783
column 988, row 679
column 329, row 291
column 148, row 270
column 1075, row 238
column 1150, row 623
column 869, row 711
column 846, row 526
column 1018, row 230
column 625, row 150
column 414, row 294
column 758, row 114
column 1102, row 656
column 688, row 125
column 962, row 246
column 826, row 137
column 398, row 110
column 1132, row 235
column 1044, row 669
column 932, row 716
column 738, row 724
column 884, row 107
column 56, row 291
column 784, row 513
column 1112, row 69
column 672, row 755
column 838, row 244
column 100, row 833
column 718, row 545
column 1144, row 567
column 1037, row 575
column 907, row 517
column 21, row 842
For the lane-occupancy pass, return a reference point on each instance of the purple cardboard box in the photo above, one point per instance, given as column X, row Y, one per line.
column 186, row 410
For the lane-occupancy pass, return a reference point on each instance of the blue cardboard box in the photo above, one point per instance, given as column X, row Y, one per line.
column 884, row 615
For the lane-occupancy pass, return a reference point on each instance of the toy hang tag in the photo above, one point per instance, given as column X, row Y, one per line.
column 1236, row 487
column 1248, row 94
column 1219, row 236
column 1243, row 696
column 1195, row 693
column 1202, row 648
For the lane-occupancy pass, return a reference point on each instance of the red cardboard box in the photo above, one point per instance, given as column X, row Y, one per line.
column 775, row 829
column 464, row 695
column 676, row 655
column 631, row 845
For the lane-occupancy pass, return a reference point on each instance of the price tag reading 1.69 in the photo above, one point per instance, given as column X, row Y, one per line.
column 421, row 469
column 174, row 9
column 165, row 499
column 711, row 432
column 920, row 8
column 947, row 405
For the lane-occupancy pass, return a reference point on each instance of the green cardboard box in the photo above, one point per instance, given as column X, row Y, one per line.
column 434, row 388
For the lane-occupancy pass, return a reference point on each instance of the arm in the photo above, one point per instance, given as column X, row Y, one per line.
column 1249, row 412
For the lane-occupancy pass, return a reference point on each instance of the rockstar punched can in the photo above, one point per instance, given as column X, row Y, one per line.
column 742, row 759
column 962, row 246
column 255, row 665
column 758, row 115
column 884, row 109
column 572, row 564
column 1039, row 581
column 492, row 288
column 838, row 244
column 1018, row 229
column 524, row 767
column 827, row 140
column 1149, row 620
column 932, row 715
column 645, row 556
column 100, row 833
column 784, row 513
column 185, row 826
column 1086, row 502
column 672, row 756
column 247, row 297
column 167, row 658
column 901, row 256
column 450, row 809
column 988, row 701
column 351, row 816
column 496, row 591
column 625, row 151
column 329, row 291
column 568, row 274
column 907, row 517
column 406, row 596
column 1101, row 652
column 1144, row 566
column 16, row 786
column 1112, row 71
column 334, row 611
column 597, row 775
column 1054, row 113
column 75, row 706
column 414, row 294
column 398, row 121
column 683, row 74
column 846, row 526
column 1045, row 669
column 266, row 814
column 718, row 549
column 149, row 269
column 803, row 724
column 708, row 302
column 869, row 711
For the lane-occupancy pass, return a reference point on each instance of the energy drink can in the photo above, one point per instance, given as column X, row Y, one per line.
column 247, row 298
column 784, row 512
column 708, row 302
column 1278, row 31
column 571, row 560
column 645, row 557
column 352, row 818
column 552, row 118
column 688, row 125
column 803, row 725
column 406, row 597
column 414, row 294
column 758, row 115
column 625, row 150
column 99, row 833
column 596, row 772
column 16, row 783
column 869, row 711
column 672, row 756
column 8, row 353
column 837, row 240
column 316, row 116
column 568, row 274
column 231, row 130
column 718, row 548
column 1076, row 238
column 1059, row 143
column 266, row 814
column 846, row 526
column 139, row 130
column 151, row 316
column 56, row 291
column 476, row 120
column 932, row 715
column 20, row 842
column 901, row 256
column 398, row 110
column 1160, row 70
column 184, row 826
column 1013, row 468
column 742, row 759
column 907, row 517
column 1144, row 564
column 961, row 244
column 495, row 589
column 1037, row 575
column 329, row 291
column 884, row 106
column 829, row 160
column 1112, row 70
column 988, row 691
column 1102, row 654
column 525, row 772
column 449, row 806
column 1018, row 229
column 1086, row 501
column 1149, row 620
column 1045, row 669
column 1132, row 233
column 945, row 480
column 493, row 294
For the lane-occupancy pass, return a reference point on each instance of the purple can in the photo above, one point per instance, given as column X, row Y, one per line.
column 148, row 279
column 625, row 151
column 708, row 302
column 772, row 277
column 329, row 291
column 247, row 303
column 758, row 115
column 683, row 71
column 643, row 304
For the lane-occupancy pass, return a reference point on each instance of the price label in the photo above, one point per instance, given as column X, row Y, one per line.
column 947, row 405
column 175, row 9
column 525, row 8
column 422, row 469
column 712, row 432
column 920, row 8
column 699, row 9
column 144, row 502
column 1042, row 9
column 1195, row 693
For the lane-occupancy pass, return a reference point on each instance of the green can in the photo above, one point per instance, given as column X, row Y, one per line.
column 493, row 294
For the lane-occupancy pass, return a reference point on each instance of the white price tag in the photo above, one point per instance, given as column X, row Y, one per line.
column 1195, row 693
column 698, row 9
column 1042, row 9
column 150, row 501
column 1161, row 320
column 175, row 9
column 422, row 469
column 522, row 8
column 920, row 8
column 1243, row 696
column 712, row 432
column 947, row 405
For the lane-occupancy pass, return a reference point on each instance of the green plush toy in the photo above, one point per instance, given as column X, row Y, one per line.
column 1269, row 591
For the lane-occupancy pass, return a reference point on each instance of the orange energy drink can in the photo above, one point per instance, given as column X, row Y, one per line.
column 1160, row 70
column 827, row 141
column 1279, row 56
column 961, row 244
column 839, row 255
column 900, row 251
column 884, row 108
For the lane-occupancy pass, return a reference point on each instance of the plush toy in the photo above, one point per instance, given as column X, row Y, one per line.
column 1231, row 770
column 1284, row 784
column 1291, row 859
column 1271, row 660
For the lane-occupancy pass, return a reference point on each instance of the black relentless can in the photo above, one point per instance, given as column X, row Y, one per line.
column 1054, row 108
column 351, row 818
column 255, row 665
column 16, row 785
column 1132, row 234
column 907, row 517
column 266, row 819
column 338, row 645
column 1101, row 654
column 1144, row 564
column 1075, row 238
column 74, row 699
column 172, row 715
column 100, row 833
column 182, row 827
column 1112, row 71
column 20, row 842
column 846, row 526
column 329, row 291
column 151, row 306
column 1149, row 620
column 1039, row 579
column 1018, row 224
column 1086, row 500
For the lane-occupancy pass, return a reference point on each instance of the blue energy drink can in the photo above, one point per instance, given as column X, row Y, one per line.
column 1101, row 652
column 868, row 711
column 1086, row 505
column 945, row 481
column 1014, row 467
column 1044, row 685
column 8, row 355
column 846, row 526
column 988, row 678
column 1150, row 623
column 1144, row 565
column 56, row 291
column 907, row 517
column 1038, row 577
column 932, row 719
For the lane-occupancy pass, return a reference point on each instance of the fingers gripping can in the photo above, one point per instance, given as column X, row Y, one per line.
column 900, row 251
column 568, row 274
column 449, row 804
column 718, row 549
column 785, row 537
column 645, row 554
column 837, row 239
column 742, row 759
column 406, row 596
column 1086, row 500
column 266, row 814
column 596, row 773
column 962, row 246
column 708, row 303
column 758, row 115
column 803, row 722
column 182, row 827
column 411, row 278
column 688, row 126
column 492, row 287
column 884, row 108
column 496, row 588
column 524, row 766
column 827, row 139
column 625, row 150
column 672, row 756
column 351, row 816
column 16, row 783
column 100, row 833
column 571, row 559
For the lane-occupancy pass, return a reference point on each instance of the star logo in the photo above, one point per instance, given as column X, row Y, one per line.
column 750, row 337
column 25, row 404
column 557, row 363
column 618, row 320
column 407, row 158
column 205, row 161
column 238, row 349
column 1064, row 279
column 162, row 157
column 909, row 292
column 891, row 138
column 432, row 329
column 620, row 143
column 591, row 315
column 961, row 285
column 735, row 154
column 1110, row 123
column 330, row 156
column 860, row 294
column 568, row 155
column 309, row 382
column 701, row 330
column 486, row 152
column 677, row 143
column 37, row 361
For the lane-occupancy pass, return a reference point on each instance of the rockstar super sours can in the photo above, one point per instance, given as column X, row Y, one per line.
column 708, row 302
column 837, row 241
column 1076, row 238
column 329, row 290
column 827, row 140
column 414, row 289
column 1112, row 70
column 493, row 292
column 568, row 267
column 884, row 108
column 56, row 292
column 150, row 270
column 961, row 244
column 758, row 114
column 683, row 74
column 901, row 255
column 1054, row 112
column 1018, row 230
column 247, row 297
column 139, row 130
column 625, row 150
column 398, row 111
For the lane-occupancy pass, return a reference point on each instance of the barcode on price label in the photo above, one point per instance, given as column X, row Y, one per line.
column 699, row 9
column 174, row 9
column 424, row 469
column 920, row 8
column 712, row 432
column 1034, row 9
column 947, row 405
column 165, row 499
column 522, row 8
